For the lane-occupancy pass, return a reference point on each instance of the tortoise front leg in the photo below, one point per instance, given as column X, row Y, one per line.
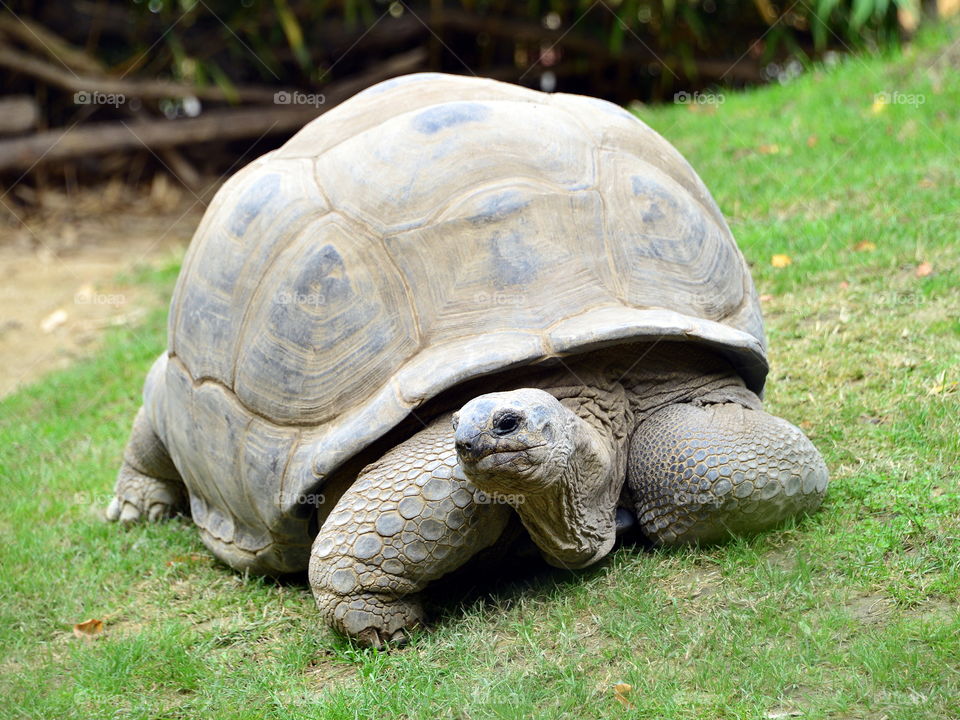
column 410, row 518
column 701, row 474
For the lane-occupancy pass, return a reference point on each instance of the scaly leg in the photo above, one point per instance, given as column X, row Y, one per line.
column 148, row 486
column 704, row 473
column 409, row 518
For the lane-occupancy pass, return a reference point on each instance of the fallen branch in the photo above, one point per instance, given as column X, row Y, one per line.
column 214, row 125
column 18, row 113
column 145, row 89
column 181, row 168
column 155, row 134
column 40, row 39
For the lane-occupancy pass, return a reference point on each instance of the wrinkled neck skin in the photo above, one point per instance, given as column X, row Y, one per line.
column 569, row 507
column 565, row 483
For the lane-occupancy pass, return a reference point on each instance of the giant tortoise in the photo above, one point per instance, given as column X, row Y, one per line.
column 447, row 308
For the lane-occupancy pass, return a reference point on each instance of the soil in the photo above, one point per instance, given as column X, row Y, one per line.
column 66, row 266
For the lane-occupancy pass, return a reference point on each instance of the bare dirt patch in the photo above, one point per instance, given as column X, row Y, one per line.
column 870, row 608
column 66, row 263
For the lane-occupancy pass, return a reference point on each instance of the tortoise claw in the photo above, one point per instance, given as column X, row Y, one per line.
column 400, row 637
column 113, row 510
column 129, row 514
column 371, row 637
column 381, row 640
column 140, row 497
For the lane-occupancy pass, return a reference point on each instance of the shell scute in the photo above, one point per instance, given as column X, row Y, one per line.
column 442, row 117
column 224, row 268
column 332, row 323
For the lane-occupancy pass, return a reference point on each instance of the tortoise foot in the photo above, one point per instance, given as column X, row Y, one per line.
column 148, row 486
column 373, row 620
column 139, row 497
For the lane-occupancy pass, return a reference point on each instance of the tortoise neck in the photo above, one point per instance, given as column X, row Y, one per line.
column 572, row 518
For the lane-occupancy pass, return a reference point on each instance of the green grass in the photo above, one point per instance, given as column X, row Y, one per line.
column 852, row 613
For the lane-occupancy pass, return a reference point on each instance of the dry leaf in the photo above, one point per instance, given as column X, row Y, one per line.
column 88, row 628
column 771, row 149
column 924, row 269
column 780, row 261
column 927, row 183
column 766, row 298
column 186, row 559
column 812, row 141
column 620, row 692
column 865, row 246
column 944, row 388
column 844, row 285
column 54, row 320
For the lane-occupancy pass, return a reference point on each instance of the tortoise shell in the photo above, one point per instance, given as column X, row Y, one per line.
column 431, row 230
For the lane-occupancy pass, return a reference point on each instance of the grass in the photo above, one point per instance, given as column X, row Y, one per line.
column 852, row 613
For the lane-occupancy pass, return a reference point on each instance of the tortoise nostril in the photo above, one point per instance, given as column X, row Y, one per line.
column 463, row 446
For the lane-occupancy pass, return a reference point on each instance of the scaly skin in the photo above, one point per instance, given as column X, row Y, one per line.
column 148, row 486
column 410, row 518
column 701, row 474
column 700, row 458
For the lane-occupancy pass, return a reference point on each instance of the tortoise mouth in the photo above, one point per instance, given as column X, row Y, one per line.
column 506, row 465
column 494, row 459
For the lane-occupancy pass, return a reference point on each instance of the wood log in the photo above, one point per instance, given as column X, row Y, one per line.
column 212, row 126
column 18, row 113
column 180, row 167
column 40, row 39
column 216, row 125
column 120, row 87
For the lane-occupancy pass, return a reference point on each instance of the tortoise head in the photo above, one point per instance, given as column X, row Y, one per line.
column 513, row 442
column 525, row 448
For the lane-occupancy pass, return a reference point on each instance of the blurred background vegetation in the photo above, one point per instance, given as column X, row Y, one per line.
column 79, row 75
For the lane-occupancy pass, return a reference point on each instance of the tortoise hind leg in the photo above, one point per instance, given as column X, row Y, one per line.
column 701, row 474
column 410, row 518
column 148, row 485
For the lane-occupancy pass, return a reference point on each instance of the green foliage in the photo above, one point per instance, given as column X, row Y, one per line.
column 852, row 19
column 620, row 49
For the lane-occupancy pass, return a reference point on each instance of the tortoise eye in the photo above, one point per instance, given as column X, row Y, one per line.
column 506, row 424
